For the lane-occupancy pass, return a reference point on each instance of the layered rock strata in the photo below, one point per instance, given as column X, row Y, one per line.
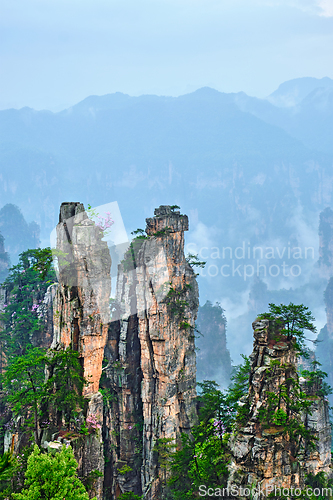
column 151, row 373
column 318, row 421
column 264, row 456
column 81, row 314
column 44, row 337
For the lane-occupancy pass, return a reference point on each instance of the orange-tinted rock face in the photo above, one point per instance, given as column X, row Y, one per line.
column 264, row 455
column 151, row 374
column 81, row 305
column 81, row 315
column 151, row 352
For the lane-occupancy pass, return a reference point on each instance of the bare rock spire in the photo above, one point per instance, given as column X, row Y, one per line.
column 81, row 308
column 151, row 350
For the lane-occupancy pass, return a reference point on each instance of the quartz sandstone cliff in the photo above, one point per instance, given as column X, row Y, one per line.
column 213, row 357
column 148, row 382
column 151, row 373
column 324, row 350
column 264, row 455
column 148, row 377
column 81, row 305
column 81, row 314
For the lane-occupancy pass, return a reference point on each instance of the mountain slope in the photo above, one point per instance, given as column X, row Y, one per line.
column 185, row 150
column 292, row 92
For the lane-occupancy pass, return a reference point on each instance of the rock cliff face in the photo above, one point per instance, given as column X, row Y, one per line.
column 44, row 338
column 4, row 260
column 81, row 305
column 318, row 421
column 328, row 296
column 151, row 358
column 213, row 357
column 324, row 350
column 262, row 454
column 326, row 243
column 81, row 313
column 149, row 377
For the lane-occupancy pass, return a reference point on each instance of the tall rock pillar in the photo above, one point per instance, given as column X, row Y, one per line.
column 151, row 355
column 81, row 314
column 81, row 307
column 264, row 455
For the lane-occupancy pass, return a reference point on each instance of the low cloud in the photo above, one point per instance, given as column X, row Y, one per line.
column 326, row 7
column 322, row 8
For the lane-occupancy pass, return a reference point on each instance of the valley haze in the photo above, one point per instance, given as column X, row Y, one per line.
column 247, row 171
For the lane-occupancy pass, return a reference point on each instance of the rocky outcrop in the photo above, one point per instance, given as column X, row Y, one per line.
column 258, row 297
column 318, row 421
column 324, row 348
column 44, row 337
column 264, row 455
column 213, row 356
column 81, row 314
column 326, row 243
column 4, row 260
column 150, row 381
column 328, row 297
column 81, row 305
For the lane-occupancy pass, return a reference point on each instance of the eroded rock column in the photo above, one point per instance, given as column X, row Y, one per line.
column 152, row 354
column 81, row 315
column 264, row 456
column 81, row 306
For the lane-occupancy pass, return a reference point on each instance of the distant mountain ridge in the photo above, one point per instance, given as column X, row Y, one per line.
column 288, row 94
column 309, row 119
column 292, row 92
column 106, row 145
column 297, row 106
column 244, row 169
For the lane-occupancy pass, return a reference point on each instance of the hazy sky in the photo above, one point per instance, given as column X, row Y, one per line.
column 55, row 53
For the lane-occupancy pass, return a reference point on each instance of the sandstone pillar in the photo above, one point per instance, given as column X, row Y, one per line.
column 81, row 314
column 151, row 350
column 265, row 456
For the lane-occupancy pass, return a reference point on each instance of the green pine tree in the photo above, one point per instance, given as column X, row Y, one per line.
column 293, row 321
column 52, row 477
